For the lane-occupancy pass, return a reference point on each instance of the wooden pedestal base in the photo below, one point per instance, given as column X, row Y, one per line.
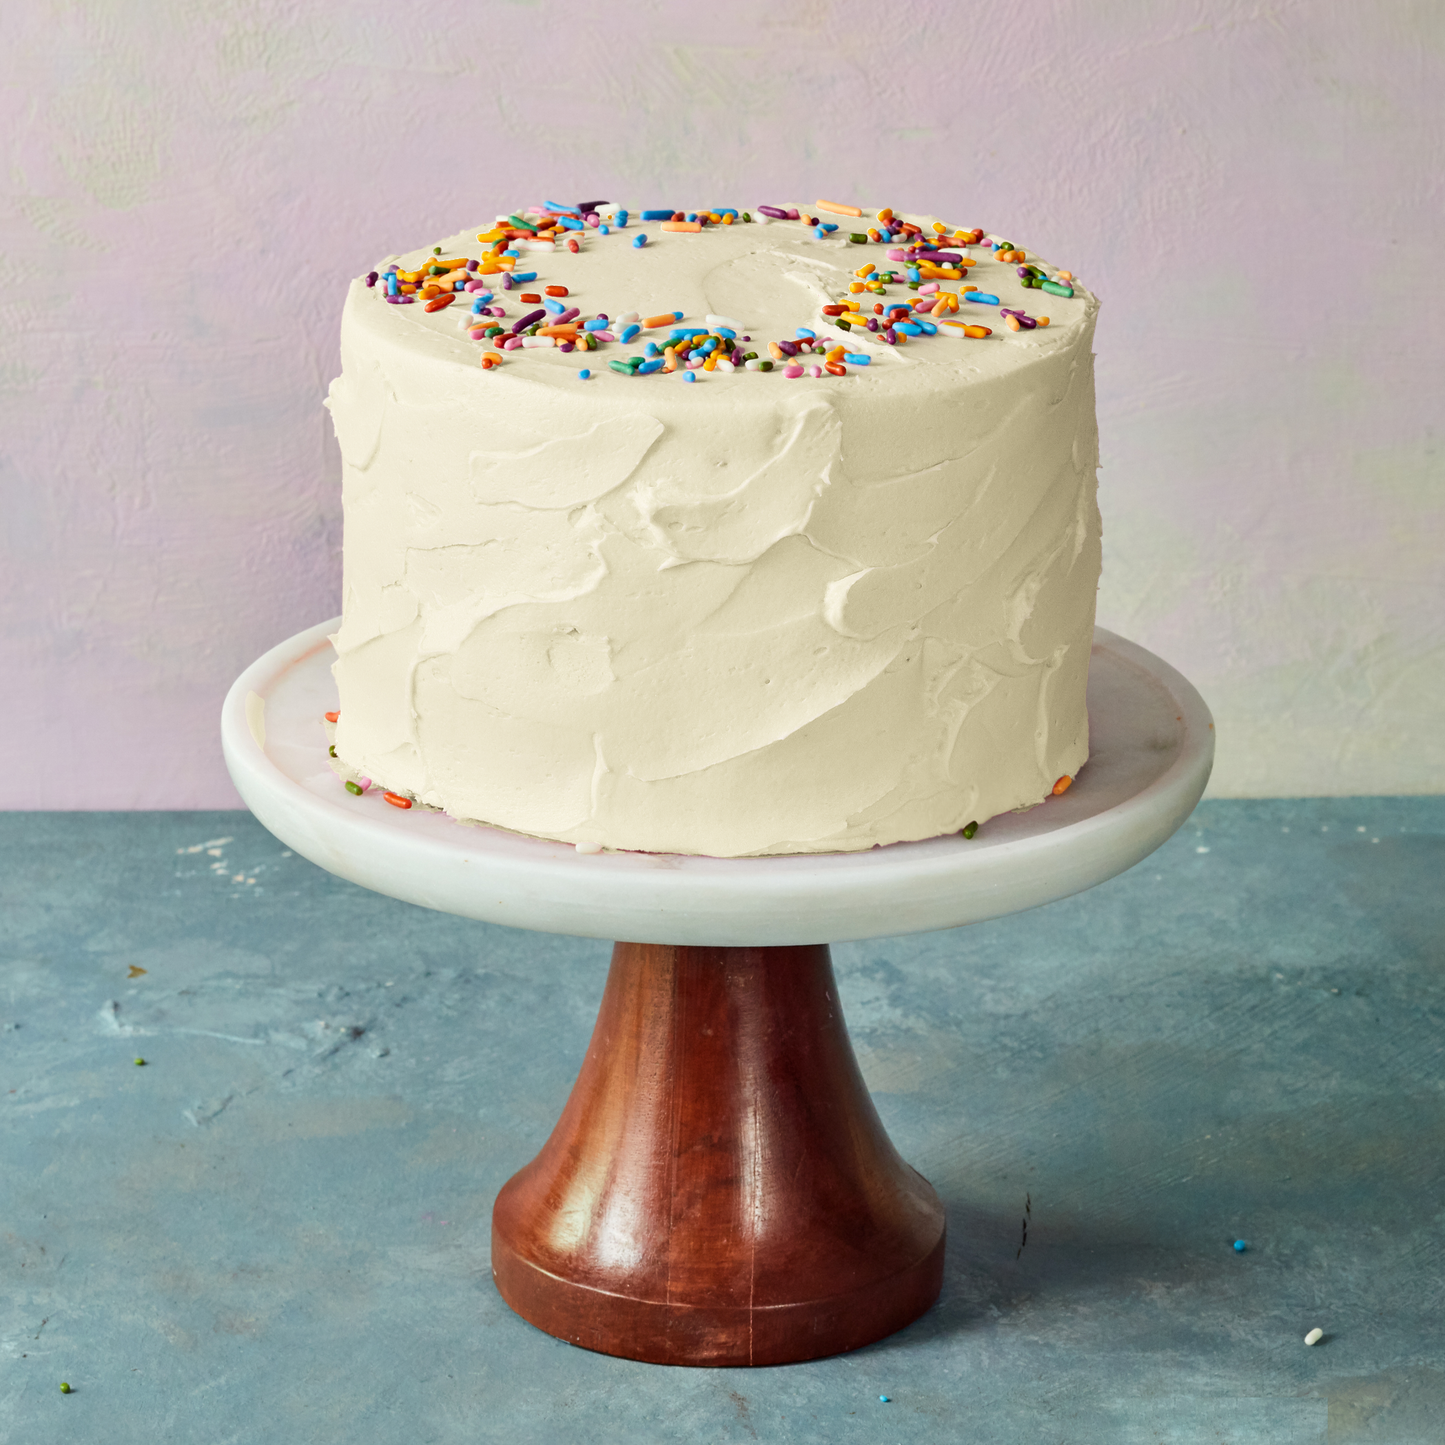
column 719, row 1189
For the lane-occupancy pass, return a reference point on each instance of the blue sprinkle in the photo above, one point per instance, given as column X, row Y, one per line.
column 584, row 373
column 639, row 241
column 802, row 332
column 648, row 367
column 908, row 328
column 885, row 1398
column 1240, row 1246
column 725, row 211
column 983, row 298
column 913, row 273
column 691, row 216
column 688, row 376
column 680, row 333
column 605, row 231
column 828, row 226
column 657, row 215
column 552, row 304
column 598, row 325
column 628, row 332
column 856, row 358
column 928, row 327
column 511, row 251
column 570, row 223
column 723, row 331
column 621, row 219
column 557, row 210
column 523, row 276
column 651, row 349
column 819, row 232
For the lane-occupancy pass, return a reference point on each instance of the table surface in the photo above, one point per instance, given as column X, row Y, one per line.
column 1151, row 747
column 277, row 1230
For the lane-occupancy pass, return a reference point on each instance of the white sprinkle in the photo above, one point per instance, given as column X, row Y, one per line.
column 716, row 321
column 1314, row 1336
column 1201, row 849
column 626, row 319
column 589, row 847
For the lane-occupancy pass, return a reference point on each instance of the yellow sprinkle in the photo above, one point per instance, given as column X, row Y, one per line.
column 867, row 270
column 939, row 227
column 886, row 214
column 711, row 363
column 855, row 286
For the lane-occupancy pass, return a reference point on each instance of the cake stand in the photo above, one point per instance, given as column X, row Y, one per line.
column 719, row 1189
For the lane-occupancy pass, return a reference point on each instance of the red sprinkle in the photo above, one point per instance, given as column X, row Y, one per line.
column 332, row 716
column 396, row 800
column 445, row 299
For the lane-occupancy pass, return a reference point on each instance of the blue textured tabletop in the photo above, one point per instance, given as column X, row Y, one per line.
column 276, row 1229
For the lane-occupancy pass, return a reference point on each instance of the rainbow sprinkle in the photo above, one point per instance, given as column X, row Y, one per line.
column 923, row 265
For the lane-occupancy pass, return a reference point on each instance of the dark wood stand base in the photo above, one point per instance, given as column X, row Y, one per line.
column 719, row 1189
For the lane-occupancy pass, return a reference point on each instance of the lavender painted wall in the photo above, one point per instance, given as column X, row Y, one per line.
column 1254, row 189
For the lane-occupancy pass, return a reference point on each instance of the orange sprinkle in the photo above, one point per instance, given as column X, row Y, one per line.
column 941, row 305
column 1062, row 786
column 838, row 210
column 727, row 220
column 568, row 331
column 1012, row 322
column 855, row 287
column 1043, row 320
column 1066, row 275
column 777, row 351
column 489, row 360
column 654, row 321
column 396, row 800
column 886, row 214
column 682, row 225
column 332, row 716
column 556, row 290
column 669, row 358
column 978, row 331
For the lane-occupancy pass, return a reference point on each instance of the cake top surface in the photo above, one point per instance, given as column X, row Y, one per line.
column 844, row 299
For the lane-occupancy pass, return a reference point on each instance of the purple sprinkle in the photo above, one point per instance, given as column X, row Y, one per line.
column 1024, row 271
column 1027, row 322
column 951, row 258
column 371, row 278
column 400, row 300
column 524, row 321
column 873, row 323
column 565, row 316
column 567, row 346
column 472, row 265
column 602, row 316
column 1005, row 311
column 789, row 348
column 506, row 282
column 777, row 212
column 890, row 336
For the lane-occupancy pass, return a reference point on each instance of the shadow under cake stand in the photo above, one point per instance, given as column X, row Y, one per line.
column 719, row 1189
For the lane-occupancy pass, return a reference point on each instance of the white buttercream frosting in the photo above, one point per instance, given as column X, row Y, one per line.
column 742, row 615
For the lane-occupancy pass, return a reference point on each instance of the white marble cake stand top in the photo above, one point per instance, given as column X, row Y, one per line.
column 1152, row 745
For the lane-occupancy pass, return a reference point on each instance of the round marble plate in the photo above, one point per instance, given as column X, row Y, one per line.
column 1152, row 746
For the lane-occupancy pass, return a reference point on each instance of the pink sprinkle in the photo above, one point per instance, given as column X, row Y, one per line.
column 897, row 255
column 604, row 336
column 815, row 371
column 792, row 369
column 511, row 343
column 928, row 288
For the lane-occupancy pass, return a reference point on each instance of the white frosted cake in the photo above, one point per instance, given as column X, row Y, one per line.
column 783, row 571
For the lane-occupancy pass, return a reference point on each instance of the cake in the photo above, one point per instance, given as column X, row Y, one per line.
column 672, row 532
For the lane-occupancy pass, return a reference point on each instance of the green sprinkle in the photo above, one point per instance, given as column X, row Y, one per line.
column 747, row 215
column 64, row 1388
column 620, row 366
column 436, row 250
column 846, row 325
column 750, row 356
column 1055, row 289
column 969, row 831
column 518, row 222
column 859, row 238
column 354, row 788
column 765, row 366
column 332, row 750
column 140, row 1063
